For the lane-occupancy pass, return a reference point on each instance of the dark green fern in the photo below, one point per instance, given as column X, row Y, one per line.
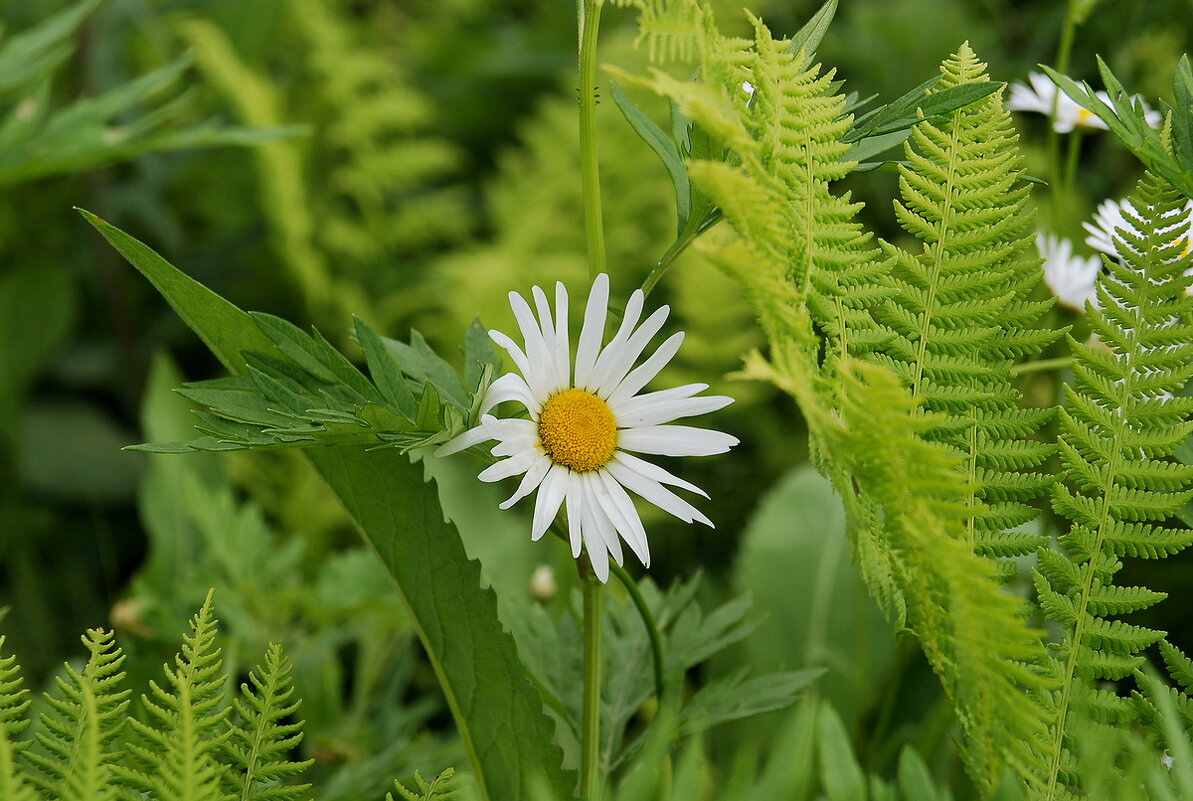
column 78, row 752
column 961, row 315
column 440, row 788
column 1120, row 425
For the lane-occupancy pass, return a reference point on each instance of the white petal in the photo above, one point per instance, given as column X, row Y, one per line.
column 512, row 349
column 600, row 371
column 594, row 543
column 664, row 406
column 551, row 495
column 576, row 510
column 653, row 471
column 510, row 387
column 675, row 441
column 641, row 375
column 618, row 357
column 621, row 511
column 507, row 428
column 563, row 346
column 657, row 494
column 538, row 373
column 530, row 482
column 515, row 465
column 555, row 380
column 473, row 436
column 593, row 329
column 606, row 534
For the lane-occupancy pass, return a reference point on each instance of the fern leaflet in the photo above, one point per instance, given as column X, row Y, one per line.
column 438, row 789
column 14, row 702
column 1119, row 428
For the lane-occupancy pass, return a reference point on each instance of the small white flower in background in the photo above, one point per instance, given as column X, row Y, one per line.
column 1041, row 95
column 1110, row 218
column 1070, row 277
column 578, row 445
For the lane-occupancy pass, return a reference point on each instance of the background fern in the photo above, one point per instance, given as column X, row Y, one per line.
column 1119, row 427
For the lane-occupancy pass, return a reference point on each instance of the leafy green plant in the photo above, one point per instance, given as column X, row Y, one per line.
column 190, row 744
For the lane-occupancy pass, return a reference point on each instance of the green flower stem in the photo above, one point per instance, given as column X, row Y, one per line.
column 590, row 717
column 590, row 20
column 1042, row 365
column 652, row 626
column 1062, row 179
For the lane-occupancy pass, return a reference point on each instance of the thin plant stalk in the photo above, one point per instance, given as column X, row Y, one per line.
column 590, row 716
column 590, row 20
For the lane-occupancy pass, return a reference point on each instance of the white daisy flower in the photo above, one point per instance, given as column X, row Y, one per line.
column 1043, row 93
column 585, row 425
column 1070, row 277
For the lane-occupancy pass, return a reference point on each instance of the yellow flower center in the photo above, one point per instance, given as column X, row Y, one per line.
column 578, row 430
column 1083, row 116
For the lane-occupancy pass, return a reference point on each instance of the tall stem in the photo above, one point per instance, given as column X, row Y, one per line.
column 590, row 20
column 590, row 718
column 1061, row 179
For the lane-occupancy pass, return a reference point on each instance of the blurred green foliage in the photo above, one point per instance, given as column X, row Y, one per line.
column 417, row 161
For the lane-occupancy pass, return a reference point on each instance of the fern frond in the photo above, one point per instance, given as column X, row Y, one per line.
column 176, row 757
column 259, row 741
column 1120, row 427
column 14, row 703
column 786, row 136
column 671, row 29
column 972, row 631
column 961, row 314
column 439, row 788
column 86, row 713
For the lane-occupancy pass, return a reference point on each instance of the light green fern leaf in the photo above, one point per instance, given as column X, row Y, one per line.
column 1120, row 426
column 971, row 630
column 259, row 741
column 78, row 753
column 961, row 313
column 785, row 130
column 14, row 703
column 440, row 788
column 176, row 756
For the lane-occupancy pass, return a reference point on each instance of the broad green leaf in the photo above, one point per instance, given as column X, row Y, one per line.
column 497, row 711
column 418, row 361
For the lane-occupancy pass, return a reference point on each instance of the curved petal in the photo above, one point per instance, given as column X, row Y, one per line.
column 618, row 357
column 664, row 406
column 592, row 330
column 530, row 482
column 675, row 441
column 594, row 541
column 657, row 494
column 551, row 495
column 510, row 387
column 515, row 465
column 473, row 436
column 511, row 347
column 654, row 472
column 563, row 343
column 507, row 428
column 620, row 508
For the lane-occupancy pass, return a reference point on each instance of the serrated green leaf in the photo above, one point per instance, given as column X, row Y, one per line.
column 497, row 711
column 293, row 343
column 479, row 354
column 386, row 373
column 418, row 361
